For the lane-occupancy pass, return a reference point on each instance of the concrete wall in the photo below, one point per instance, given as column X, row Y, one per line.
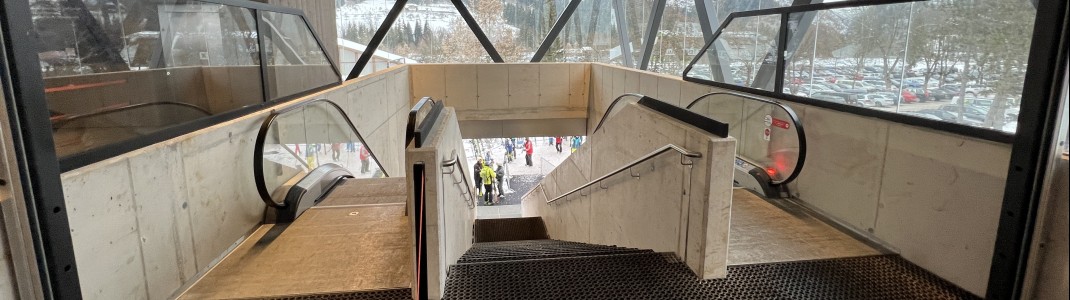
column 893, row 182
column 692, row 204
column 1049, row 271
column 167, row 212
column 509, row 100
column 448, row 217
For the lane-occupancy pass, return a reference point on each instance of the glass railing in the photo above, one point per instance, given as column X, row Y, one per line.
column 72, row 133
column 769, row 135
column 98, row 55
column 297, row 140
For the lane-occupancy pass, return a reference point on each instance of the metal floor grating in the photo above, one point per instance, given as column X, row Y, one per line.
column 536, row 249
column 508, row 229
column 389, row 294
column 663, row 276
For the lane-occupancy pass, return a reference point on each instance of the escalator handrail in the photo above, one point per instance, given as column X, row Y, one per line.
column 61, row 121
column 794, row 120
column 668, row 147
column 425, row 124
column 614, row 104
column 258, row 147
column 453, row 162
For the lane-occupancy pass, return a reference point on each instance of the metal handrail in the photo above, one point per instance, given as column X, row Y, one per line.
column 452, row 163
column 683, row 152
column 791, row 115
column 60, row 121
column 613, row 104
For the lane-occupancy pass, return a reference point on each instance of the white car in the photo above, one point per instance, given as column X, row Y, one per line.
column 876, row 100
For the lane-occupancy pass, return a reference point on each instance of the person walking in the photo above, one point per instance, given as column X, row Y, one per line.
column 336, row 151
column 576, row 142
column 364, row 155
column 509, row 151
column 500, row 174
column 488, row 184
column 477, row 179
column 558, row 140
column 529, row 149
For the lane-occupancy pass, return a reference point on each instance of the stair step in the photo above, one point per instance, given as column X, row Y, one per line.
column 508, row 229
column 664, row 276
column 537, row 249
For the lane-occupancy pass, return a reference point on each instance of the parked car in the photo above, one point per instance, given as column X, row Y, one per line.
column 829, row 98
column 875, row 100
column 949, row 116
column 967, row 111
column 908, row 97
column 848, row 98
column 922, row 115
column 921, row 94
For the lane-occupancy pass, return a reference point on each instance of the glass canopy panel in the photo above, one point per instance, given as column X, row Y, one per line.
column 934, row 59
column 295, row 61
column 430, row 31
column 749, row 51
column 679, row 38
column 590, row 35
column 515, row 27
column 637, row 19
column 113, row 73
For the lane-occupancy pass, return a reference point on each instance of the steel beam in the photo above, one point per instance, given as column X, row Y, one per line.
column 622, row 31
column 651, row 32
column 377, row 38
column 480, row 35
column 556, row 30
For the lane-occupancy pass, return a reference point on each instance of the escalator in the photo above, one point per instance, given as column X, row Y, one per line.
column 771, row 141
column 335, row 224
column 770, row 138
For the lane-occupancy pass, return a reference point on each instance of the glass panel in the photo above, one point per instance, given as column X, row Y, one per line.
column 679, row 38
column 115, row 72
column 303, row 139
column 748, row 47
column 589, row 36
column 516, row 28
column 933, row 59
column 295, row 61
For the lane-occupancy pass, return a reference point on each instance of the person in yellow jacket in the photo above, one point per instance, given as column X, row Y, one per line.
column 488, row 175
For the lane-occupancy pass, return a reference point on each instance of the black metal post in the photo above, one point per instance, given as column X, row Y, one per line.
column 1031, row 150
column 377, row 38
column 781, row 46
column 651, row 32
column 556, row 30
column 480, row 35
column 38, row 168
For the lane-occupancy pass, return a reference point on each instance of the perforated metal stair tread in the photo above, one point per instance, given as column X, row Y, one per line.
column 508, row 229
column 537, row 249
column 664, row 276
column 388, row 294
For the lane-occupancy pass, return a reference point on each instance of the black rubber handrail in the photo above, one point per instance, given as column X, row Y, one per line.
column 418, row 134
column 258, row 147
column 794, row 120
column 64, row 120
column 614, row 104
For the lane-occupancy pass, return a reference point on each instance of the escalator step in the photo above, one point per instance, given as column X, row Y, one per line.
column 508, row 229
column 663, row 276
column 387, row 294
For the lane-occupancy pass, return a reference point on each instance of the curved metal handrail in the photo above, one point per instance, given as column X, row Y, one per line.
column 794, row 120
column 64, row 120
column 452, row 163
column 258, row 147
column 613, row 104
column 683, row 152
